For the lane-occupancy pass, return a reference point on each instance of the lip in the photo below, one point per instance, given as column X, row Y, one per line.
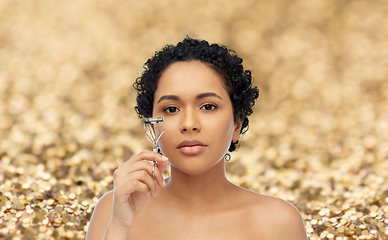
column 191, row 147
column 191, row 143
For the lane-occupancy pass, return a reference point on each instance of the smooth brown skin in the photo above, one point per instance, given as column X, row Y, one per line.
column 197, row 202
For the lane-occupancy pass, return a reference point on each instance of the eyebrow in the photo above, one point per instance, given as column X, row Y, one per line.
column 199, row 96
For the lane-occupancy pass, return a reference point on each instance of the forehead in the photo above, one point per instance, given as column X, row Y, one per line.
column 190, row 76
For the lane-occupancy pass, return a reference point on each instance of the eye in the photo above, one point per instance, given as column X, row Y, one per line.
column 208, row 107
column 171, row 109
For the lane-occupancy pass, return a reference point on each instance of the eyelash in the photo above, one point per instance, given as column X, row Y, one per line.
column 209, row 104
column 168, row 109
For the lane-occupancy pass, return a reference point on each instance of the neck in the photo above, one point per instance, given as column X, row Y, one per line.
column 200, row 192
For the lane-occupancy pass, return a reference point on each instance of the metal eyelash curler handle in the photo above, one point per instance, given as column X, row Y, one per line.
column 152, row 134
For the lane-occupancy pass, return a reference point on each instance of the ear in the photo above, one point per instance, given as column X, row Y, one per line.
column 237, row 129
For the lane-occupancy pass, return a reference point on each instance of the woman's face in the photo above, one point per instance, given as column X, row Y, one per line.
column 198, row 115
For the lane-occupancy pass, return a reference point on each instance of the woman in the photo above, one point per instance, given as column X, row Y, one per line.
column 205, row 97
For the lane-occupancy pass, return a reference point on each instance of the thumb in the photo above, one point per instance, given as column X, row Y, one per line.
column 162, row 166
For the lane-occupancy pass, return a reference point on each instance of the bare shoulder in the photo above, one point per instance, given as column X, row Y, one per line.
column 101, row 217
column 273, row 217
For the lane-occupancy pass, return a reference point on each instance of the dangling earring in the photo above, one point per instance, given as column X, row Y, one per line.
column 227, row 157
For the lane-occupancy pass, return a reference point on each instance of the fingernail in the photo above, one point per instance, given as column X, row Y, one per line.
column 164, row 157
column 155, row 193
column 148, row 193
column 164, row 183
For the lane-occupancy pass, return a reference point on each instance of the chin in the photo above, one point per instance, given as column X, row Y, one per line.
column 192, row 167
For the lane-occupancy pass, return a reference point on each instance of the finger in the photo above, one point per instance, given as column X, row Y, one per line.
column 154, row 172
column 145, row 155
column 124, row 190
column 144, row 165
column 135, row 166
column 142, row 176
column 158, row 176
column 162, row 166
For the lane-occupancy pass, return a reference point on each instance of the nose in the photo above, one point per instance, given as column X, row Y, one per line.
column 190, row 122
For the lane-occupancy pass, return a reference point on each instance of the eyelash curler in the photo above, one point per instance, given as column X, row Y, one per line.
column 151, row 128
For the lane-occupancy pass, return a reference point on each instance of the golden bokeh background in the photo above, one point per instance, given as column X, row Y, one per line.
column 317, row 138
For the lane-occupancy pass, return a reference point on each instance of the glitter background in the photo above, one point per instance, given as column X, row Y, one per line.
column 318, row 137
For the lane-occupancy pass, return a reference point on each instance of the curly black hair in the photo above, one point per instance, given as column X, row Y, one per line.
column 223, row 60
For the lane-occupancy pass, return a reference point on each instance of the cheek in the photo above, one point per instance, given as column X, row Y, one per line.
column 221, row 131
column 168, row 139
column 224, row 124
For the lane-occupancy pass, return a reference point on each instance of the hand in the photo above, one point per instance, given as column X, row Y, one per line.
column 133, row 182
